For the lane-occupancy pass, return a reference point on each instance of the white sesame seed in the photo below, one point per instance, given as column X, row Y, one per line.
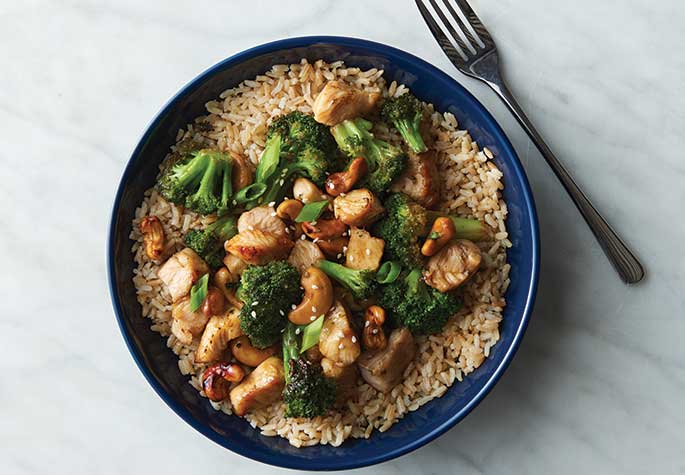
column 339, row 256
column 341, row 346
column 344, row 249
column 368, row 252
column 293, row 306
column 303, row 237
column 281, row 312
column 235, row 202
column 250, row 227
column 273, row 213
column 272, row 204
column 367, row 323
column 343, row 194
column 315, row 287
column 374, row 331
column 254, row 314
column 281, row 182
column 256, row 302
column 313, row 223
column 297, row 331
column 313, row 309
column 312, row 318
column 354, row 339
column 351, row 258
column 316, row 240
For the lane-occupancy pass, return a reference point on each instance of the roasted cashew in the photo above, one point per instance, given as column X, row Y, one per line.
column 217, row 379
column 440, row 234
column 214, row 302
column 241, row 172
column 333, row 248
column 289, row 209
column 317, row 299
column 324, row 229
column 247, row 354
column 342, row 182
column 221, row 279
column 373, row 336
column 153, row 237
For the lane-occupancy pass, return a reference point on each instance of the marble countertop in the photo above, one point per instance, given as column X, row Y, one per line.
column 598, row 384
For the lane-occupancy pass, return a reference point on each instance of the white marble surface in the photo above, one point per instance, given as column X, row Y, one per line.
column 598, row 384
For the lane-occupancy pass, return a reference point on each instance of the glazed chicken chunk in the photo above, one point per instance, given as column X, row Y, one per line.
column 258, row 247
column 338, row 341
column 304, row 254
column 338, row 101
column 452, row 265
column 187, row 324
column 260, row 388
column 364, row 251
column 235, row 267
column 358, row 208
column 262, row 218
column 180, row 272
column 383, row 369
column 420, row 181
column 219, row 331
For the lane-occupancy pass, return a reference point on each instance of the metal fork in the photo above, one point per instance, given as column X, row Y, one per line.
column 472, row 50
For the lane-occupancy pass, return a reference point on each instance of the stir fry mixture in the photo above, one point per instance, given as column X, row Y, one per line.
column 322, row 264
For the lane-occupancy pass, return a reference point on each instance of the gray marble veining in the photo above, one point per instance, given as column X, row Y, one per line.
column 598, row 384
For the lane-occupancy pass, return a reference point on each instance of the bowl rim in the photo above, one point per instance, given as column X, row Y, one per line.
column 284, row 460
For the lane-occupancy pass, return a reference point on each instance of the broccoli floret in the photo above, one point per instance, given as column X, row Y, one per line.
column 201, row 182
column 288, row 138
column 268, row 291
column 405, row 114
column 407, row 221
column 415, row 305
column 208, row 243
column 386, row 162
column 360, row 282
column 307, row 393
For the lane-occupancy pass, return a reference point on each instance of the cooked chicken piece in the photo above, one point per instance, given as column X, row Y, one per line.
column 258, row 247
column 383, row 369
column 358, row 208
column 450, row 267
column 339, row 101
column 187, row 324
column 306, row 191
column 219, row 331
column 420, row 180
column 261, row 387
column 264, row 219
column 345, row 378
column 180, row 272
column 304, row 254
column 364, row 251
column 338, row 341
column 235, row 267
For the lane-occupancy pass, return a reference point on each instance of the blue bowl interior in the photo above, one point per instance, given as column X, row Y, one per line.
column 159, row 365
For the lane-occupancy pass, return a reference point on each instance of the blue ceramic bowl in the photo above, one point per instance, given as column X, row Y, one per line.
column 159, row 365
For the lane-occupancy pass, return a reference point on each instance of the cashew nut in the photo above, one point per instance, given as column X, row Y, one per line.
column 289, row 209
column 373, row 336
column 333, row 248
column 221, row 279
column 306, row 191
column 247, row 354
column 241, row 172
column 324, row 229
column 217, row 379
column 213, row 303
column 317, row 300
column 153, row 236
column 440, row 234
column 342, row 182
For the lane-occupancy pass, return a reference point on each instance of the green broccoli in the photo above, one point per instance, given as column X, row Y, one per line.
column 407, row 221
column 208, row 243
column 360, row 282
column 386, row 162
column 267, row 291
column 413, row 304
column 307, row 392
column 201, row 182
column 405, row 114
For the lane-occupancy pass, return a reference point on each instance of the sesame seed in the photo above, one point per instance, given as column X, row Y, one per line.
column 367, row 323
column 293, row 306
column 272, row 204
column 374, row 331
column 250, row 227
column 351, row 258
column 344, row 249
column 303, row 237
column 341, row 346
column 254, row 314
column 297, row 331
column 313, row 223
column 281, row 312
column 315, row 287
column 313, row 309
column 343, row 194
column 282, row 182
column 312, row 318
column 235, row 202
column 256, row 302
column 354, row 339
column 316, row 240
column 273, row 213
column 339, row 256
column 368, row 252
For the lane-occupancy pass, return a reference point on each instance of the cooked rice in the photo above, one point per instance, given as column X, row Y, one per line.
column 472, row 187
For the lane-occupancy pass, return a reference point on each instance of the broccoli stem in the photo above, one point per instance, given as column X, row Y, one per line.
column 226, row 187
column 291, row 348
column 411, row 134
column 207, row 184
column 193, row 170
column 471, row 229
column 359, row 282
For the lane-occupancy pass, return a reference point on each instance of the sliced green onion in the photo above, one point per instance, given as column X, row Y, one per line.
column 311, row 333
column 388, row 272
column 250, row 192
column 269, row 160
column 198, row 293
column 311, row 211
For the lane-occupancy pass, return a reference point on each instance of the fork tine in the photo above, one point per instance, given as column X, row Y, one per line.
column 440, row 37
column 476, row 24
column 463, row 26
column 455, row 36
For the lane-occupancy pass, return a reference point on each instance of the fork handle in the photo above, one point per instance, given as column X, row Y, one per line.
column 624, row 261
